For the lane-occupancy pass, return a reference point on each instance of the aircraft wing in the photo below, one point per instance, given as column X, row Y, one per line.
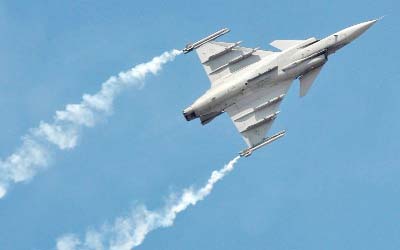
column 221, row 59
column 254, row 112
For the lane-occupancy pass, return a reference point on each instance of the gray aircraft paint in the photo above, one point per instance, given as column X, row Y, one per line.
column 249, row 84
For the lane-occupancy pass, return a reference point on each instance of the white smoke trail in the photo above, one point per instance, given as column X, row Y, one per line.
column 64, row 130
column 130, row 231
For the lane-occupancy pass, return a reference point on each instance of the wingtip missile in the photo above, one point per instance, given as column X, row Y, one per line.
column 247, row 152
column 192, row 46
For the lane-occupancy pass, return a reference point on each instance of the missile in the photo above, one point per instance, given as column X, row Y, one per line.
column 268, row 140
column 192, row 46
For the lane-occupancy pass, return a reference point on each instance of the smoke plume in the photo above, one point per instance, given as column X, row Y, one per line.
column 130, row 231
column 65, row 128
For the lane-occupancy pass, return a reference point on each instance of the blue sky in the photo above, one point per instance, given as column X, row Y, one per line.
column 331, row 183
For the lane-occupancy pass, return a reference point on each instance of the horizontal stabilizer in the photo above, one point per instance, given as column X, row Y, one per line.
column 307, row 80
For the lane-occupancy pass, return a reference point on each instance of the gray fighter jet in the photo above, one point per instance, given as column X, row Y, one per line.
column 249, row 83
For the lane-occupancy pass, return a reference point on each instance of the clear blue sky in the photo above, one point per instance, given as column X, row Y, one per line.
column 331, row 183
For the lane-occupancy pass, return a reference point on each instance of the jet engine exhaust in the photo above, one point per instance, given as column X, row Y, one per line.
column 189, row 114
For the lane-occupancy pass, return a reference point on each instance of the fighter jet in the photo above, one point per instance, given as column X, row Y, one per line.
column 250, row 84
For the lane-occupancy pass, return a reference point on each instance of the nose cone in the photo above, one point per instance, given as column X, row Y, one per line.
column 362, row 27
column 355, row 31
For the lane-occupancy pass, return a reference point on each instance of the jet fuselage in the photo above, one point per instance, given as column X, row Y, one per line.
column 289, row 64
